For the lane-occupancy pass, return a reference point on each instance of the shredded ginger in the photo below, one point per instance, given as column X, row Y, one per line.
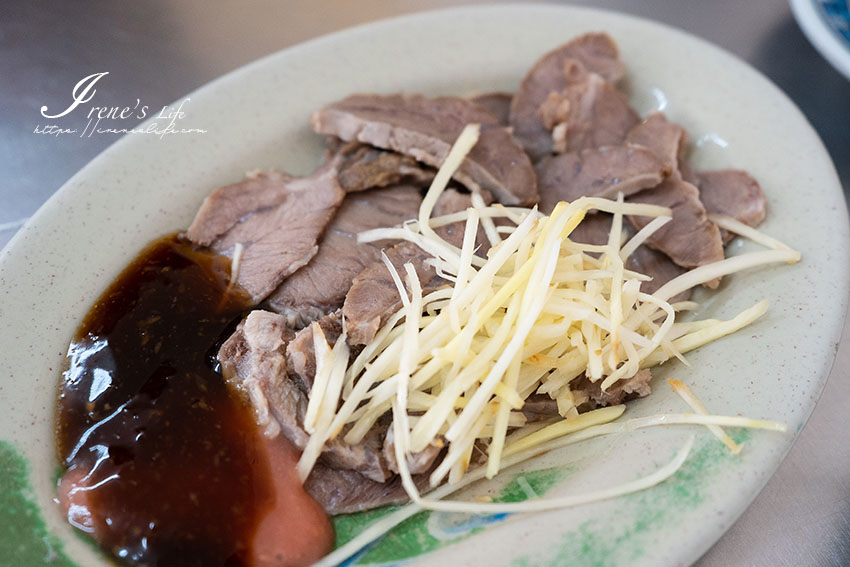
column 455, row 366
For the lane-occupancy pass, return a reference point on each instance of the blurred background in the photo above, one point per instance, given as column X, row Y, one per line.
column 160, row 50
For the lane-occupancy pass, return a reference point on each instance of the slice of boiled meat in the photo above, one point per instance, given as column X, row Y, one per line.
column 364, row 167
column 300, row 355
column 346, row 491
column 666, row 139
column 454, row 201
column 690, row 239
column 301, row 362
column 225, row 207
column 623, row 390
column 373, row 296
column 320, row 287
column 497, row 104
column 596, row 52
column 659, row 267
column 277, row 219
column 600, row 172
column 588, row 113
column 426, row 128
column 253, row 360
column 539, row 407
column 594, row 229
column 734, row 193
column 417, row 463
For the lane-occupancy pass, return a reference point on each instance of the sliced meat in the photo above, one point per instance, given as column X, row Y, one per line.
column 426, row 128
column 347, row 478
column 601, row 172
column 539, row 407
column 253, row 360
column 588, row 113
column 687, row 172
column 666, row 139
column 623, row 390
column 365, row 458
column 373, row 296
column 659, row 267
column 364, row 167
column 224, row 208
column 300, row 355
column 417, row 463
column 690, row 239
column 734, row 193
column 594, row 229
column 497, row 104
column 277, row 226
column 320, row 287
column 595, row 52
column 453, row 201
column 345, row 491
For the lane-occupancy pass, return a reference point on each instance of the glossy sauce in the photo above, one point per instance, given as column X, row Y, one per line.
column 163, row 465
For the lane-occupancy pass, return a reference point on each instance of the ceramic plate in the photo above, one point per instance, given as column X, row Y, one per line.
column 257, row 117
column 827, row 25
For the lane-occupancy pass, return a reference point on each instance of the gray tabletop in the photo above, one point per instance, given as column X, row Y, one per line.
column 159, row 50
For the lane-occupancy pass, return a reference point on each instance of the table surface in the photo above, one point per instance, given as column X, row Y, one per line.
column 159, row 50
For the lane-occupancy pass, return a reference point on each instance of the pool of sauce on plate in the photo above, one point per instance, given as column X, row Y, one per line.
column 163, row 465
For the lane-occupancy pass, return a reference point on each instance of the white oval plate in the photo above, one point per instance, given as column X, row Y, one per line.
column 257, row 117
column 827, row 25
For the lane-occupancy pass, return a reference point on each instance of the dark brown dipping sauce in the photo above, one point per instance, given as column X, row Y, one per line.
column 164, row 466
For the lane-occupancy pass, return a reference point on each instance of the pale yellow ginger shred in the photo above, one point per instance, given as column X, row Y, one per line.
column 686, row 394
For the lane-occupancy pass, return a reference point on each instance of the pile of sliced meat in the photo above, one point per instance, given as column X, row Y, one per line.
column 566, row 132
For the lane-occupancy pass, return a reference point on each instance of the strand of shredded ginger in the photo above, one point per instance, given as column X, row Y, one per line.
column 686, row 394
